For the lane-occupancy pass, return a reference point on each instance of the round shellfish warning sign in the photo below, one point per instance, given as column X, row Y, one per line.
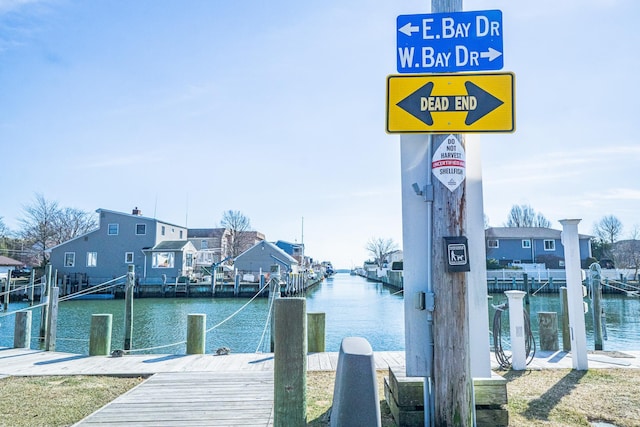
column 448, row 163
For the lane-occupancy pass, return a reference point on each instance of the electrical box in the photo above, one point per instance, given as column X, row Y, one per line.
column 457, row 254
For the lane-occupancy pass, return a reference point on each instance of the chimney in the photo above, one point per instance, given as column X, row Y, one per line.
column 136, row 211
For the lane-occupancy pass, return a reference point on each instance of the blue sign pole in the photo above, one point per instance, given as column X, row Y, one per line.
column 450, row 42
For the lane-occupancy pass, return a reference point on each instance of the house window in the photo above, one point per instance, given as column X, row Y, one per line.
column 92, row 259
column 162, row 230
column 549, row 245
column 163, row 260
column 112, row 229
column 181, row 234
column 69, row 259
column 204, row 244
column 492, row 243
column 189, row 260
column 128, row 257
column 141, row 229
column 526, row 244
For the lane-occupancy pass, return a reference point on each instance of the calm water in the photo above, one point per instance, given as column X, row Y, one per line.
column 353, row 307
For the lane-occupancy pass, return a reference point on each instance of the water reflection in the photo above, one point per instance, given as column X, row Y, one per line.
column 353, row 307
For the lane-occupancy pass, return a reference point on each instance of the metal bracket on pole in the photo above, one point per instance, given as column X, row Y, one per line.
column 426, row 191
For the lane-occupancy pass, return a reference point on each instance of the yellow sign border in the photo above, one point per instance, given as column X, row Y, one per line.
column 500, row 85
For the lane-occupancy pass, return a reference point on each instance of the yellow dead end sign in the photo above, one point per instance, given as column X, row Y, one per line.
column 451, row 103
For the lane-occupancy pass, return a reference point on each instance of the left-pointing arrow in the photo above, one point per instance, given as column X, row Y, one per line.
column 412, row 104
column 477, row 103
column 409, row 29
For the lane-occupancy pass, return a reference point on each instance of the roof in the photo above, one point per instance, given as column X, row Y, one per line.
column 138, row 216
column 170, row 245
column 5, row 261
column 193, row 233
column 526, row 233
column 263, row 243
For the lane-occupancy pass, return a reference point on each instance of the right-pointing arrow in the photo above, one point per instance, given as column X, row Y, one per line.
column 486, row 103
column 491, row 54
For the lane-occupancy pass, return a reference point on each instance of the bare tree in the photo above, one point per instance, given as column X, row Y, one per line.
column 45, row 225
column 38, row 226
column 71, row 223
column 237, row 224
column 380, row 249
column 626, row 254
column 541, row 221
column 4, row 238
column 526, row 216
column 4, row 231
column 608, row 229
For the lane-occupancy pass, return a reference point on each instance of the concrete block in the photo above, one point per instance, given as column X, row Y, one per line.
column 355, row 396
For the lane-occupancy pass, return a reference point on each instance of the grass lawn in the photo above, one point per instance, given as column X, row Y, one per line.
column 549, row 397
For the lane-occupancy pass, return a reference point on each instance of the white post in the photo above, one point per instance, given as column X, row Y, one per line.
column 575, row 297
column 477, row 277
column 516, row 330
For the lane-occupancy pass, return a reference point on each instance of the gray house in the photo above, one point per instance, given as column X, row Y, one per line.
column 159, row 250
column 262, row 256
column 531, row 245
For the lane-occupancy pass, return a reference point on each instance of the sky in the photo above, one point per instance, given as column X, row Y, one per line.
column 186, row 109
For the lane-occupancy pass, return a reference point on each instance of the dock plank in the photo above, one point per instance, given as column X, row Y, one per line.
column 193, row 399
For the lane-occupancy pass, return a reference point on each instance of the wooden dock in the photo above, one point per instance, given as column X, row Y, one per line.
column 192, row 399
column 210, row 390
column 184, row 390
column 25, row 362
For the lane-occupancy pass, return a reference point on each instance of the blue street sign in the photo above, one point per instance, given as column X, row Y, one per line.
column 450, row 42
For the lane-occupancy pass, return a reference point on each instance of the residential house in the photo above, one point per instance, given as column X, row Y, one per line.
column 296, row 250
column 531, row 245
column 7, row 264
column 211, row 244
column 214, row 244
column 159, row 250
column 262, row 256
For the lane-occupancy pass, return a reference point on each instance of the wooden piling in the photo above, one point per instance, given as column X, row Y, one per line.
column 196, row 333
column 128, row 307
column 290, row 362
column 548, row 329
column 316, row 332
column 4, row 291
column 274, row 292
column 100, row 335
column 44, row 298
column 596, row 308
column 566, row 337
column 527, row 288
column 32, row 283
column 22, row 330
column 52, row 320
